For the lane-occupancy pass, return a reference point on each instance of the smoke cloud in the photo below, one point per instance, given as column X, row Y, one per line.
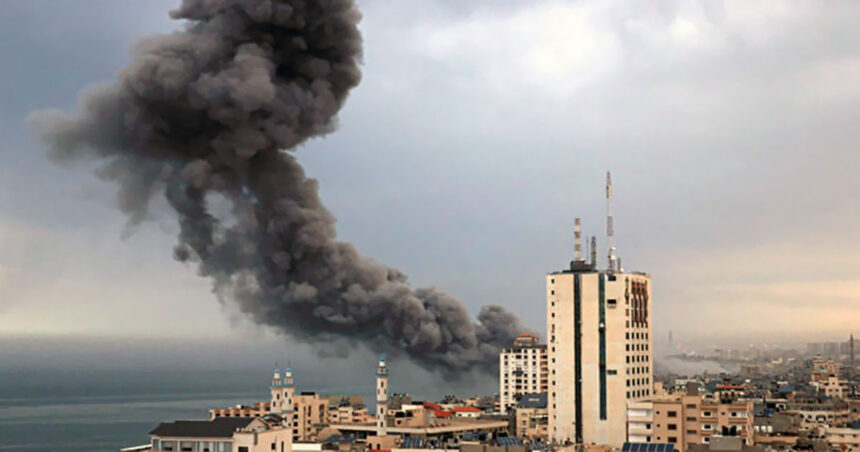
column 212, row 112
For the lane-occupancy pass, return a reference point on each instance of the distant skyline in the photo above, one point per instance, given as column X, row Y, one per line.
column 476, row 136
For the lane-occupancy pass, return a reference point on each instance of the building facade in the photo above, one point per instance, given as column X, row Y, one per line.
column 689, row 419
column 522, row 370
column 599, row 349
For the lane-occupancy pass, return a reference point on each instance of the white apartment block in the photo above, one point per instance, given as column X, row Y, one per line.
column 600, row 351
column 522, row 370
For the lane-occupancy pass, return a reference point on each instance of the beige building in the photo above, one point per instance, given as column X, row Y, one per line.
column 348, row 414
column 685, row 420
column 844, row 438
column 832, row 386
column 599, row 349
column 522, row 370
column 310, row 414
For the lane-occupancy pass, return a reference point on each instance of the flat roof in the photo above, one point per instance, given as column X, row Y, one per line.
column 450, row 426
column 222, row 427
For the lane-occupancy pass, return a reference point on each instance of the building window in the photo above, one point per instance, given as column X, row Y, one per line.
column 673, row 426
column 673, row 440
column 672, row 414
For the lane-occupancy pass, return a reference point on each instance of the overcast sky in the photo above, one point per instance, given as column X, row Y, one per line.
column 477, row 135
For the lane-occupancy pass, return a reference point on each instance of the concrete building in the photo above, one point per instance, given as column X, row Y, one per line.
column 522, row 369
column 685, row 420
column 599, row 349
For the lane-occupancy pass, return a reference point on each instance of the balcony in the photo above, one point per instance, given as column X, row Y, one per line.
column 639, row 429
column 638, row 416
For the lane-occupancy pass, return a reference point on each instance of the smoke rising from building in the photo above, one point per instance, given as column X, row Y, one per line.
column 212, row 112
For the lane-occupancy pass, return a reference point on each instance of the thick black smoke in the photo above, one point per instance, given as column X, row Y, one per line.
column 210, row 111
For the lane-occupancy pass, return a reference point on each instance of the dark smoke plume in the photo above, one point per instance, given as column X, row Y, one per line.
column 210, row 112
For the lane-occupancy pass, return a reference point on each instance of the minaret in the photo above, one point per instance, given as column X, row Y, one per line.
column 851, row 351
column 288, row 391
column 381, row 396
column 276, row 403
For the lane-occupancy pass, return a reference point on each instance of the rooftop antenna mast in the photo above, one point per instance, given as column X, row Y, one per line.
column 609, row 230
column 577, row 240
column 593, row 252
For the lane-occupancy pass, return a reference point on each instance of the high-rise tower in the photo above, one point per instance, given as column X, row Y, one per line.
column 381, row 396
column 599, row 347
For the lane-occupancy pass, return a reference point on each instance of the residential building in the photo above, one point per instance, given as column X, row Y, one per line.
column 522, row 370
column 347, row 413
column 843, row 438
column 832, row 386
column 815, row 413
column 310, row 414
column 684, row 420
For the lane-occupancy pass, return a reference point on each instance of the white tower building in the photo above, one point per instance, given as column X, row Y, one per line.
column 381, row 396
column 522, row 370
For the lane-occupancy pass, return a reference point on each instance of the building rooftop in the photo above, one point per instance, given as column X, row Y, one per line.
column 533, row 400
column 223, row 427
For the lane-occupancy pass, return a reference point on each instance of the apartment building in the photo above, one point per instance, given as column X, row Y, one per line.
column 684, row 420
column 522, row 370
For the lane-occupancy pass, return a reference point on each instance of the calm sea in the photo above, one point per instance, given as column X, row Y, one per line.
column 105, row 410
column 98, row 423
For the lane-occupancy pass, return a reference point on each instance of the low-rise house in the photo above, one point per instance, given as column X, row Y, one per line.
column 237, row 434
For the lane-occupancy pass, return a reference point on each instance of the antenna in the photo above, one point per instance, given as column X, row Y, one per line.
column 593, row 252
column 609, row 230
column 577, row 240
